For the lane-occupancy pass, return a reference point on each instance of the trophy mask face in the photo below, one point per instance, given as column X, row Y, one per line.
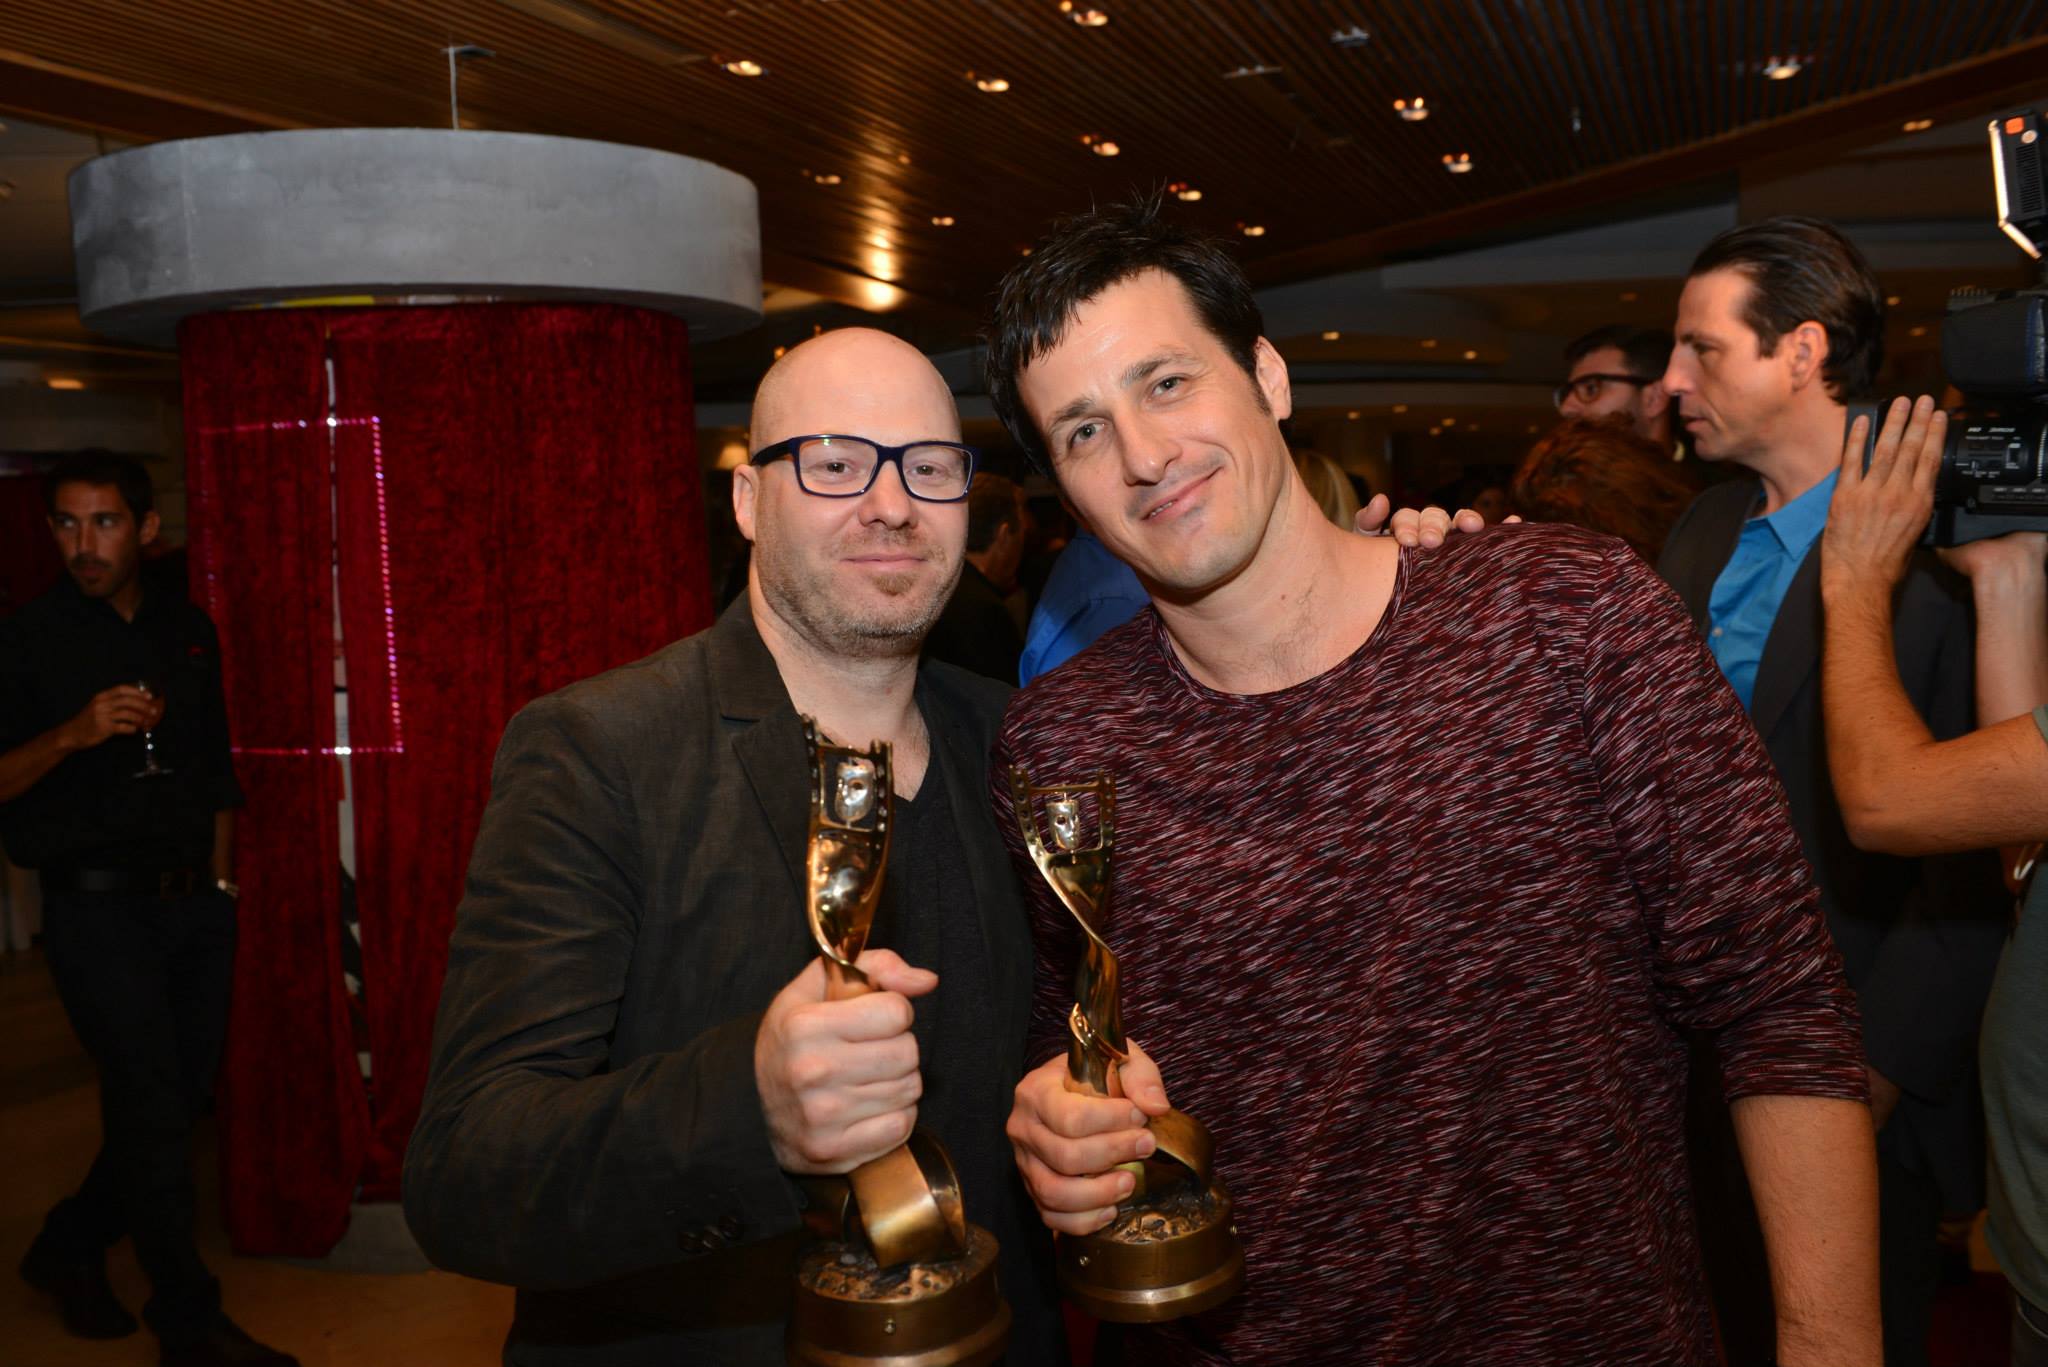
column 1169, row 451
column 853, row 792
column 866, row 576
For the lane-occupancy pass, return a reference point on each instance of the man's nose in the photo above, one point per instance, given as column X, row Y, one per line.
column 1149, row 447
column 888, row 499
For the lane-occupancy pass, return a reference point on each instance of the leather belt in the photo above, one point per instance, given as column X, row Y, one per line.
column 143, row 882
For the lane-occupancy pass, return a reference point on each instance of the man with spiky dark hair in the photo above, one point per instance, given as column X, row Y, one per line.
column 1434, row 1015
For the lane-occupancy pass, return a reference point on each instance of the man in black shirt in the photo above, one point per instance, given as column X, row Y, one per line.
column 116, row 784
column 976, row 631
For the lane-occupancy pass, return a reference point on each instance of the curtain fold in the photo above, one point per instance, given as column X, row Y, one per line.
column 293, row 1127
column 520, row 507
column 508, row 499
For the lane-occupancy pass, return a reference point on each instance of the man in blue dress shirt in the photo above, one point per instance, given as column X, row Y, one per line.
column 1780, row 326
column 1088, row 592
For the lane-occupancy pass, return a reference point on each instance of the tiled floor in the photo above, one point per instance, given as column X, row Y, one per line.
column 49, row 1130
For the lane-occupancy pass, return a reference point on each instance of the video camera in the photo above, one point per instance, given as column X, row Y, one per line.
column 1994, row 469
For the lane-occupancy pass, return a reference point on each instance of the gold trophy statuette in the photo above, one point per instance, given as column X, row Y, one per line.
column 898, row 1278
column 1172, row 1249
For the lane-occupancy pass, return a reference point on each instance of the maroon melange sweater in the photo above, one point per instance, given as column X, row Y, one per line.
column 1417, row 938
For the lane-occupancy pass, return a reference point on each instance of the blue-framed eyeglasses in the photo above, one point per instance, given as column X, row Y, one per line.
column 833, row 465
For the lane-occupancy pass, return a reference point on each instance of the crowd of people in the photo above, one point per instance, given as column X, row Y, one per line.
column 1591, row 940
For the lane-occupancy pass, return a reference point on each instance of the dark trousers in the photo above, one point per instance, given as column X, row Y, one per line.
column 145, row 981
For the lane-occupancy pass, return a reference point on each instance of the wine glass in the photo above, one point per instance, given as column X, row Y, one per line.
column 150, row 768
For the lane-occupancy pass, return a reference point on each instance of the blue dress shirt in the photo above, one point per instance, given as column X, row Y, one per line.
column 1088, row 592
column 1752, row 585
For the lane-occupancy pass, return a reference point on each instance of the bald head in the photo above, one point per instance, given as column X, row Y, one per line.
column 857, row 382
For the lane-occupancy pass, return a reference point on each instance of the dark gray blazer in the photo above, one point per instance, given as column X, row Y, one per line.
column 1919, row 938
column 591, row 1132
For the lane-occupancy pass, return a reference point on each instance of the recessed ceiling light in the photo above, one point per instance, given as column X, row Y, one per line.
column 1252, row 229
column 1090, row 18
column 993, row 85
column 1182, row 190
column 1436, row 431
column 1471, row 355
column 942, row 220
column 1782, row 68
column 1459, row 163
column 1025, row 252
column 1400, row 408
column 903, row 158
column 1918, row 125
column 1415, row 110
column 744, row 66
column 1449, row 422
column 64, row 383
column 880, row 240
column 826, row 178
column 1891, row 301
column 1354, row 415
column 1428, row 342
column 1099, row 145
column 1532, row 429
column 1629, row 296
column 1916, row 331
column 1332, row 336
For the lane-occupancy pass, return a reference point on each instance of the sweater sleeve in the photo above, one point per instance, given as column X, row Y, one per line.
column 1741, row 950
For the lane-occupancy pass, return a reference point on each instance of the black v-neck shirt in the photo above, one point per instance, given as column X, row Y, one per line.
column 927, row 915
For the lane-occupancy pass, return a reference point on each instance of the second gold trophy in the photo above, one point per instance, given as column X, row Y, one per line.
column 1172, row 1250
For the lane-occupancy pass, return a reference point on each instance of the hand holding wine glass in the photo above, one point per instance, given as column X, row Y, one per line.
column 150, row 768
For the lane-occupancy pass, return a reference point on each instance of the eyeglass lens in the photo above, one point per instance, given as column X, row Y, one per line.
column 844, row 465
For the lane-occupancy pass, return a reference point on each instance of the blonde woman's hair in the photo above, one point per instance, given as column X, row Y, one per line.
column 1329, row 486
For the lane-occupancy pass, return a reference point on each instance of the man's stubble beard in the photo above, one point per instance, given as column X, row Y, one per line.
column 808, row 604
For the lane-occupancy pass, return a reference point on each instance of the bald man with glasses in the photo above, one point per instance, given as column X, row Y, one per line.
column 635, row 1056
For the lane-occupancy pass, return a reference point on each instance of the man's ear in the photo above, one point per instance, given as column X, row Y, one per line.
column 1808, row 354
column 1656, row 398
column 746, row 490
column 151, row 525
column 1271, row 373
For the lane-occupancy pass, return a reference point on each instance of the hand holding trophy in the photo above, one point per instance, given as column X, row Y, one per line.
column 900, row 1278
column 1172, row 1250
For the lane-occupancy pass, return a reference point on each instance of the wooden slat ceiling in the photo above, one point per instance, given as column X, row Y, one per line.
column 1276, row 110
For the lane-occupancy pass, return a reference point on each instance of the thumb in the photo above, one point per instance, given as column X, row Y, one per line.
column 1373, row 515
column 886, row 970
column 1141, row 1081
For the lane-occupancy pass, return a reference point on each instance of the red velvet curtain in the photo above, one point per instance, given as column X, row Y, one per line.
column 293, row 1126
column 512, row 494
column 29, row 563
column 522, row 483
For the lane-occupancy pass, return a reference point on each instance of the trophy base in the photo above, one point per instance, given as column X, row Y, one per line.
column 1162, row 1258
column 852, row 1312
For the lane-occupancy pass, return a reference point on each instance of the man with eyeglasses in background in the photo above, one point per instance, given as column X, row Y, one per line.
column 1617, row 372
column 635, row 1053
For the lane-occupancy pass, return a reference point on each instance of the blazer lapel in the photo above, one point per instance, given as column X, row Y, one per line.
column 768, row 740
column 1792, row 650
column 1711, row 543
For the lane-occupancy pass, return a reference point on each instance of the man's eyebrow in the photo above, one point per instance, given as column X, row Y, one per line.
column 1135, row 373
